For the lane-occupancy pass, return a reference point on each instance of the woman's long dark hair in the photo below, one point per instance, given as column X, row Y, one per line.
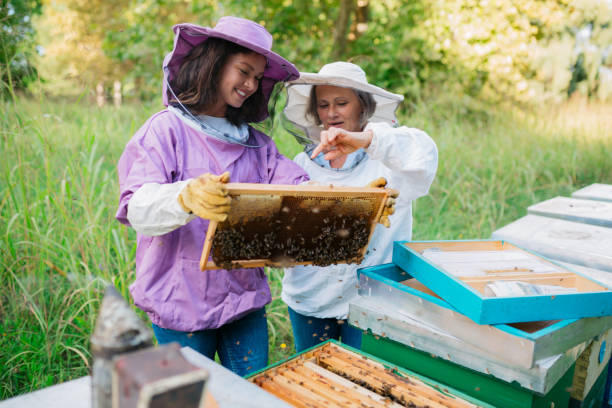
column 196, row 84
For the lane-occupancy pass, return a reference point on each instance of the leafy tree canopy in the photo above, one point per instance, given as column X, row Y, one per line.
column 525, row 50
column 16, row 45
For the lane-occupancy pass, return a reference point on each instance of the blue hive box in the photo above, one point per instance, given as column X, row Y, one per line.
column 494, row 282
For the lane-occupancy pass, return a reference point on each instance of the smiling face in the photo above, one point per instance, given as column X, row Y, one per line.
column 338, row 107
column 239, row 80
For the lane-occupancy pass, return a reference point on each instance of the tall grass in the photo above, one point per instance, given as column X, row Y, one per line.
column 60, row 244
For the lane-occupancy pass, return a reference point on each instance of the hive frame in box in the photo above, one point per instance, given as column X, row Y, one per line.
column 519, row 345
column 591, row 366
column 594, row 299
column 334, row 374
column 250, row 201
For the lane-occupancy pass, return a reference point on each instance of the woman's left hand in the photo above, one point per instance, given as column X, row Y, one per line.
column 336, row 142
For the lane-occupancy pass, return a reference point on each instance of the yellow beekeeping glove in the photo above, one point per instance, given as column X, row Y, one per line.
column 207, row 197
column 379, row 182
column 389, row 204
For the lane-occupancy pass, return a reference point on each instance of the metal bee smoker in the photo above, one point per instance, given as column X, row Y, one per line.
column 118, row 330
column 129, row 373
column 157, row 377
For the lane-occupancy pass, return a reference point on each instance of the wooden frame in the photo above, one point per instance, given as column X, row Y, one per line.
column 257, row 201
column 467, row 294
column 591, row 364
column 332, row 374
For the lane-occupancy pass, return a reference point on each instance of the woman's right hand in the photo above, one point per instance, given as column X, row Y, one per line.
column 207, row 197
column 335, row 142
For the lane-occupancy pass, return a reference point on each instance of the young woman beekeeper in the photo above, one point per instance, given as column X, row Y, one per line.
column 172, row 174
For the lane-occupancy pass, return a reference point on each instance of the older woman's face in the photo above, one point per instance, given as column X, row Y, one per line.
column 338, row 107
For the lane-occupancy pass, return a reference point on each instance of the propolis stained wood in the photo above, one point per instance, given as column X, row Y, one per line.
column 334, row 375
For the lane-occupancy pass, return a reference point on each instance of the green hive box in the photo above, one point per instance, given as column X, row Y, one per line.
column 478, row 385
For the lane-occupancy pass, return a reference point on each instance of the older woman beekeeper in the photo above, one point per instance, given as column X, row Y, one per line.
column 351, row 136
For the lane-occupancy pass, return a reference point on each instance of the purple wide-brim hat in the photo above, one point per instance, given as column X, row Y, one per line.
column 245, row 33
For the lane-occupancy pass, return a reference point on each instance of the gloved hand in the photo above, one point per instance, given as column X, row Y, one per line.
column 389, row 209
column 207, row 197
column 380, row 182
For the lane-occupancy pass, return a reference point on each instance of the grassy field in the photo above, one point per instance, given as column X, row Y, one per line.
column 60, row 244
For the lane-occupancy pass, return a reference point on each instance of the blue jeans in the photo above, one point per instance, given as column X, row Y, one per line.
column 309, row 331
column 242, row 345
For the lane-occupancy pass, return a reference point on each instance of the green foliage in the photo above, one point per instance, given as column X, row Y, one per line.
column 71, row 34
column 146, row 37
column 525, row 50
column 60, row 243
column 16, row 45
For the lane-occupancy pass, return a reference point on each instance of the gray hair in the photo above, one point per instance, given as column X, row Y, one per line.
column 367, row 101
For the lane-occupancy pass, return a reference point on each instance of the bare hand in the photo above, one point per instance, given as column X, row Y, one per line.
column 336, row 142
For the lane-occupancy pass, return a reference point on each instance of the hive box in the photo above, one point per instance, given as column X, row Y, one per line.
column 595, row 191
column 518, row 344
column 482, row 386
column 436, row 344
column 574, row 209
column 495, row 282
column 568, row 241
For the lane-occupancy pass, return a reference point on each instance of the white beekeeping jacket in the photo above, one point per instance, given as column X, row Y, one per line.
column 408, row 159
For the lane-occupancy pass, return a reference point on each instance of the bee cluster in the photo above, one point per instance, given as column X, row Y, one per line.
column 297, row 235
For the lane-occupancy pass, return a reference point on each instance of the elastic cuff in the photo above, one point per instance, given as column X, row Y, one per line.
column 371, row 149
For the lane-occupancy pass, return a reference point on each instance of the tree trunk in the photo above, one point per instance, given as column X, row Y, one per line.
column 360, row 25
column 117, row 93
column 100, row 96
column 340, row 33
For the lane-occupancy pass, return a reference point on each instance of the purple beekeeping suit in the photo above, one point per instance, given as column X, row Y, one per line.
column 169, row 285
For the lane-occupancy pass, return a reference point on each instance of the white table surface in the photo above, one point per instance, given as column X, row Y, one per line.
column 227, row 388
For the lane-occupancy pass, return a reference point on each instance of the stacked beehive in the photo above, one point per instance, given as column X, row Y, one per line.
column 451, row 325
